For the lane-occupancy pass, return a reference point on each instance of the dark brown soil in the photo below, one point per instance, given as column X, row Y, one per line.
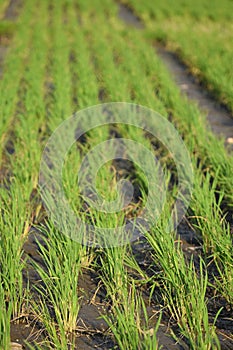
column 12, row 10
column 219, row 118
column 126, row 15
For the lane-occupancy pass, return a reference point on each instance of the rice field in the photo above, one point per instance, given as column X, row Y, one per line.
column 200, row 35
column 63, row 286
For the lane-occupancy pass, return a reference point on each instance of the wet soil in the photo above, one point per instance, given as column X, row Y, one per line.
column 219, row 118
column 126, row 15
column 12, row 10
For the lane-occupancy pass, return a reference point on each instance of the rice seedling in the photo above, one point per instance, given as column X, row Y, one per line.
column 7, row 28
column 213, row 229
column 4, row 319
column 58, row 293
column 129, row 322
column 184, row 292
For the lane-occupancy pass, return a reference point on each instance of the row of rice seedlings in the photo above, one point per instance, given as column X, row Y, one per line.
column 106, row 7
column 85, row 85
column 13, row 215
column 59, row 304
column 62, row 257
column 5, row 319
column 114, row 82
column 61, row 79
column 214, row 230
column 17, row 197
column 127, row 66
column 186, row 319
column 114, row 87
column 128, row 318
column 127, row 331
column 17, row 208
column 168, row 9
column 13, row 72
column 183, row 287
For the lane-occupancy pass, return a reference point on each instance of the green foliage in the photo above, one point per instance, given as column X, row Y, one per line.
column 76, row 54
column 7, row 28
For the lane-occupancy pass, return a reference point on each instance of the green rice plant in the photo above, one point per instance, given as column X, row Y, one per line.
column 128, row 319
column 110, row 81
column 213, row 229
column 183, row 289
column 113, row 274
column 57, row 337
column 5, row 318
column 7, row 28
column 106, row 7
column 84, row 80
column 129, row 322
column 61, row 95
column 127, row 307
column 62, row 260
column 224, row 283
column 13, row 223
column 61, row 256
column 169, row 9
